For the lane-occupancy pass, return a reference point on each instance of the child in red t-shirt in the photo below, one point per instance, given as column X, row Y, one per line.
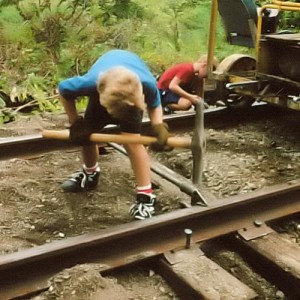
column 181, row 86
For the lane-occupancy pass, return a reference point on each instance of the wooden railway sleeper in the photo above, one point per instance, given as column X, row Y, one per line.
column 194, row 276
column 277, row 258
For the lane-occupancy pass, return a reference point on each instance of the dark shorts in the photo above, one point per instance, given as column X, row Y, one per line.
column 168, row 97
column 98, row 116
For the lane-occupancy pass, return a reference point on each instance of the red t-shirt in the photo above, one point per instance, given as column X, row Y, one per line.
column 184, row 71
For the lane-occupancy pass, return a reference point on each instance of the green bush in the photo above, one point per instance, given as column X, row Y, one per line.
column 43, row 42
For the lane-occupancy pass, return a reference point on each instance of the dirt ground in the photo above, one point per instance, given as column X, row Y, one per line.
column 34, row 210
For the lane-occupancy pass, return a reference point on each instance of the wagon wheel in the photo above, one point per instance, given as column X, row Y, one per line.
column 237, row 64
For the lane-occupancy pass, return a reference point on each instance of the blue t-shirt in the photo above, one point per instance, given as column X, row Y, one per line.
column 86, row 85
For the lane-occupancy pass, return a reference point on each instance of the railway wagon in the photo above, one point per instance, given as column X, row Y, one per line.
column 273, row 74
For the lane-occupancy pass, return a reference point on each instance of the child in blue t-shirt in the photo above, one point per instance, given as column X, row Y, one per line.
column 119, row 87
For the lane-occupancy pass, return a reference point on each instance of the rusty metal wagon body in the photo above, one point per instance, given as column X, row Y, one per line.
column 273, row 75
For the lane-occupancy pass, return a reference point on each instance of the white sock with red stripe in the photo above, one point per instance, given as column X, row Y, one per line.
column 91, row 170
column 147, row 189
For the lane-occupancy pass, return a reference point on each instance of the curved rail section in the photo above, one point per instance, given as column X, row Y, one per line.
column 27, row 271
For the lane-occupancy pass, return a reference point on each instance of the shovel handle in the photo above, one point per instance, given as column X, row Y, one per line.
column 175, row 142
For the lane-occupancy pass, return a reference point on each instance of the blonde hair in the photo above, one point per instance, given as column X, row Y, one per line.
column 203, row 59
column 119, row 88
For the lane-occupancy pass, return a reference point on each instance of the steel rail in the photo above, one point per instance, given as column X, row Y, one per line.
column 28, row 270
column 34, row 144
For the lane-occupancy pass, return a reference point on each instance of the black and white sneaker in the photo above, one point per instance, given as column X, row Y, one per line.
column 143, row 208
column 167, row 110
column 81, row 181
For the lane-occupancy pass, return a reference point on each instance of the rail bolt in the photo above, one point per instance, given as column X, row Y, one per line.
column 258, row 223
column 188, row 235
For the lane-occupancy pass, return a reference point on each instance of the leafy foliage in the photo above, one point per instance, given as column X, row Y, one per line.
column 42, row 42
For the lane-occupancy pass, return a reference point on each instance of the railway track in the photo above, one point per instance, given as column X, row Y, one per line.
column 34, row 144
column 175, row 244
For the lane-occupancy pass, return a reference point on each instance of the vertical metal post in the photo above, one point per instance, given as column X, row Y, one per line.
column 198, row 143
column 212, row 36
